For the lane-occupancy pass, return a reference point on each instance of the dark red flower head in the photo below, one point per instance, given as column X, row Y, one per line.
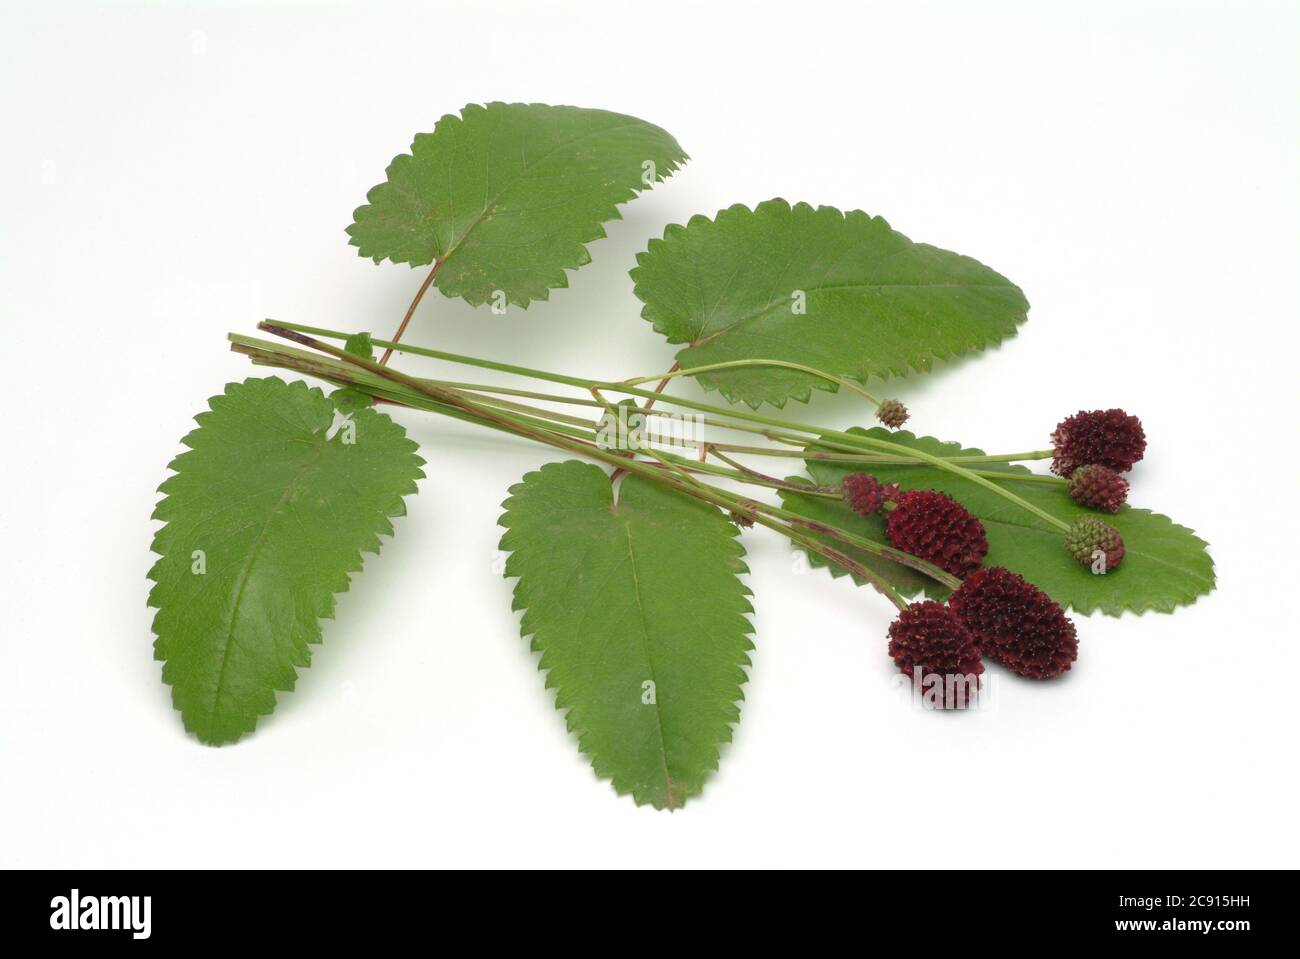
column 892, row 413
column 936, row 527
column 1108, row 437
column 865, row 494
column 930, row 638
column 1098, row 487
column 1095, row 544
column 1016, row 623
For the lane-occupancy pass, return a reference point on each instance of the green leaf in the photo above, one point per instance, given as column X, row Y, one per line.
column 505, row 196
column 1165, row 565
column 875, row 302
column 266, row 516
column 620, row 595
column 348, row 399
column 359, row 344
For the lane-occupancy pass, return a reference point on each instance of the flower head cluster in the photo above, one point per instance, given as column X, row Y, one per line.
column 934, row 526
column 892, row 413
column 1110, row 438
column 1098, row 487
column 1017, row 625
column 929, row 643
column 865, row 494
column 1095, row 544
column 995, row 614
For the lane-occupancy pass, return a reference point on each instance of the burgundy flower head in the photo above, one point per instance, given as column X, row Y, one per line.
column 1016, row 623
column 1090, row 541
column 865, row 494
column 1098, row 487
column 934, row 526
column 930, row 638
column 892, row 413
column 1111, row 438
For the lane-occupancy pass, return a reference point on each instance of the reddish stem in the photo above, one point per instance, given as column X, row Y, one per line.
column 648, row 403
column 410, row 310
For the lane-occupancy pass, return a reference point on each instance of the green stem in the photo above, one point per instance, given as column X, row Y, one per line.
column 974, row 478
column 510, row 423
column 863, row 441
column 524, row 394
column 907, row 459
column 410, row 310
column 733, row 474
column 870, row 459
column 772, row 481
column 1023, row 477
column 762, row 514
column 731, row 364
column 268, row 353
column 781, row 432
column 339, row 375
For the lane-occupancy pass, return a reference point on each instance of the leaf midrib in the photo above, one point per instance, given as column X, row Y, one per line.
column 246, row 573
column 525, row 175
column 768, row 308
column 645, row 638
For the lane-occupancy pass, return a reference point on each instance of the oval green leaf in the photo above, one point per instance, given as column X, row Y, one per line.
column 505, row 196
column 840, row 292
column 267, row 515
column 638, row 610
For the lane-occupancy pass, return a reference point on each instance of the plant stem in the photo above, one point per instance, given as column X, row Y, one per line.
column 778, row 430
column 860, row 440
column 974, row 478
column 663, row 382
column 906, row 459
column 268, row 353
column 738, row 476
column 758, row 512
column 936, row 573
column 410, row 311
column 772, row 481
column 762, row 514
column 526, row 394
column 732, row 364
column 869, row 459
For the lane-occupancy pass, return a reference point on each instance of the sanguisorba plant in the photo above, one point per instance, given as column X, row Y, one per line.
column 627, row 555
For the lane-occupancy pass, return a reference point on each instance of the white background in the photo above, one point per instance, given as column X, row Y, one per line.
column 173, row 172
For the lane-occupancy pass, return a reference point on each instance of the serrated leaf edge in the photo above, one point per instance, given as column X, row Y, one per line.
column 710, row 382
column 385, row 528
column 580, row 255
column 621, row 788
